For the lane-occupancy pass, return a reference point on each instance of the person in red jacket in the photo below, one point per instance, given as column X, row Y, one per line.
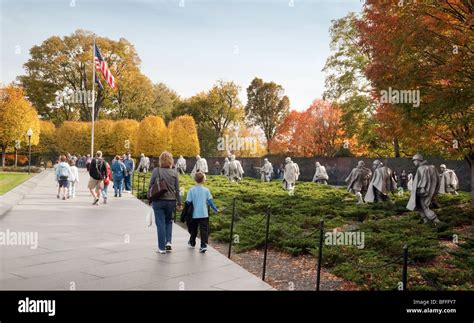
column 107, row 177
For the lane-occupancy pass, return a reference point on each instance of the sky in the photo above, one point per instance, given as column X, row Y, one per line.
column 189, row 45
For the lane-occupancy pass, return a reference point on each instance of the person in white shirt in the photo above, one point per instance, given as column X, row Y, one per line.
column 74, row 179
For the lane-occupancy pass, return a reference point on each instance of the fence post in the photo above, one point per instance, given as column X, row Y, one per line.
column 320, row 252
column 143, row 189
column 266, row 243
column 405, row 267
column 231, row 237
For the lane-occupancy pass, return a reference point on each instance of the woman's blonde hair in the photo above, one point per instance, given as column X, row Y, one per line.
column 166, row 160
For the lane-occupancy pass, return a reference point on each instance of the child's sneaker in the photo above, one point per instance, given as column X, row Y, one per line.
column 159, row 251
column 105, row 200
column 202, row 249
column 190, row 245
column 168, row 247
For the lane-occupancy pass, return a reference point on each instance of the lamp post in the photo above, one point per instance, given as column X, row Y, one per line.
column 29, row 133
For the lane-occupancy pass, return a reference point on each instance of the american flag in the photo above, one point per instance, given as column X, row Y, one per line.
column 101, row 66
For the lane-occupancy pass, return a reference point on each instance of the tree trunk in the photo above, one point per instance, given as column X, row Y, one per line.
column 16, row 157
column 4, row 148
column 396, row 147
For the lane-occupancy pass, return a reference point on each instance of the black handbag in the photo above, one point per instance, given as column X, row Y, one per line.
column 187, row 212
column 157, row 189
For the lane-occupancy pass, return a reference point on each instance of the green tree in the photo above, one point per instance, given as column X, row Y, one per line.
column 165, row 101
column 347, row 85
column 267, row 106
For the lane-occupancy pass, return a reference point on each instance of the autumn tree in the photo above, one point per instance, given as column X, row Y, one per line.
column 17, row 115
column 214, row 111
column 124, row 137
column 153, row 136
column 281, row 143
column 317, row 131
column 426, row 47
column 183, row 137
column 103, row 135
column 74, row 137
column 267, row 106
column 47, row 138
column 133, row 98
column 65, row 63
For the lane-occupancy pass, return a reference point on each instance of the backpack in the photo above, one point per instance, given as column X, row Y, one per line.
column 63, row 172
column 95, row 169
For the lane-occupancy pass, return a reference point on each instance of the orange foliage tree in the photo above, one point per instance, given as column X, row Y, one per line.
column 318, row 131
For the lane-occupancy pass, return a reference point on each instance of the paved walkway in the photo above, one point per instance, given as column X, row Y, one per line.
column 109, row 247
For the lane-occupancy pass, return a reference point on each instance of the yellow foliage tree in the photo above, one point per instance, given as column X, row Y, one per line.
column 74, row 137
column 47, row 138
column 153, row 136
column 17, row 115
column 183, row 137
column 103, row 133
column 124, row 137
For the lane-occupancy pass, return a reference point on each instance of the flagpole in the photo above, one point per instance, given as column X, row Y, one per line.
column 93, row 99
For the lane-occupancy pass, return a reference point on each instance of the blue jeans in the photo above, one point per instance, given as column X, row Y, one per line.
column 127, row 182
column 104, row 191
column 118, row 185
column 164, row 210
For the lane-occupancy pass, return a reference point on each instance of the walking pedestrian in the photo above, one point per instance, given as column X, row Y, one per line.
column 165, row 205
column 63, row 173
column 74, row 179
column 108, row 177
column 97, row 171
column 130, row 166
column 118, row 174
column 200, row 197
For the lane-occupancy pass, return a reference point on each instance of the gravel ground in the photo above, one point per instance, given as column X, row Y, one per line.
column 286, row 272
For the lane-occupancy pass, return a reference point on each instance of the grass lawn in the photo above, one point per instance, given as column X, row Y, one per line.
column 8, row 180
column 441, row 257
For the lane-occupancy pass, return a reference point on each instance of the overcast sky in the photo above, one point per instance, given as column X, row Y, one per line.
column 188, row 44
